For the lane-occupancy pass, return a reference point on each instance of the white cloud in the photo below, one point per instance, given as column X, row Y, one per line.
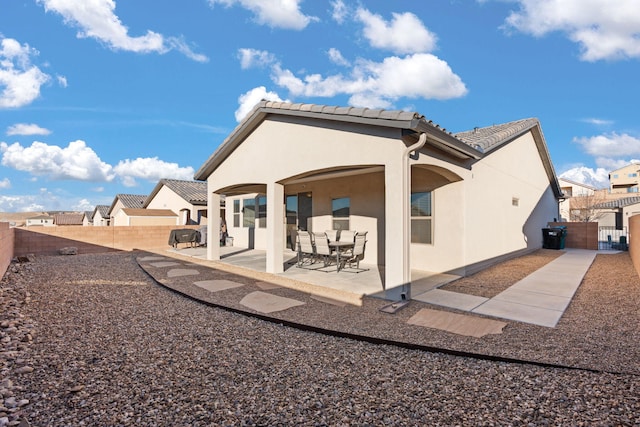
column 339, row 11
column 75, row 162
column 249, row 99
column 604, row 30
column 83, row 205
column 404, row 34
column 284, row 14
column 610, row 145
column 19, row 80
column 24, row 203
column 250, row 58
column 62, row 81
column 336, row 57
column 97, row 19
column 5, row 184
column 151, row 169
column 27, row 129
column 598, row 122
column 380, row 84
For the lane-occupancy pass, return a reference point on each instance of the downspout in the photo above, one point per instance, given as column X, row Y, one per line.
column 406, row 215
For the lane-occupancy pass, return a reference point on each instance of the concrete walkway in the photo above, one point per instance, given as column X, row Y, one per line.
column 540, row 298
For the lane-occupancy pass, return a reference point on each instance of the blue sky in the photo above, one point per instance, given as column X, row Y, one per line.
column 101, row 97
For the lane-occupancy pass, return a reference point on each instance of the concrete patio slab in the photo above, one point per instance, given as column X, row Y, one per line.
column 520, row 312
column 535, row 299
column 450, row 299
column 264, row 302
column 218, row 285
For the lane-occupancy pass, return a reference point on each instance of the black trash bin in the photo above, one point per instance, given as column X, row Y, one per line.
column 554, row 237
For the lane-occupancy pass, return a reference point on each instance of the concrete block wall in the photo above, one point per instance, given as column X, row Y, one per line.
column 6, row 246
column 49, row 240
column 580, row 235
column 634, row 241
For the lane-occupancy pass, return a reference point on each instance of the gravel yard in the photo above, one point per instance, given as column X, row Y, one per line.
column 92, row 340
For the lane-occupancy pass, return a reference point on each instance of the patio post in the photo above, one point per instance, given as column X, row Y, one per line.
column 213, row 226
column 275, row 228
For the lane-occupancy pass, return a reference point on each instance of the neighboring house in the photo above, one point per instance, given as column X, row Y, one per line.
column 68, row 219
column 88, row 218
column 616, row 213
column 572, row 190
column 101, row 215
column 130, row 201
column 39, row 220
column 625, row 179
column 428, row 199
column 187, row 198
column 139, row 216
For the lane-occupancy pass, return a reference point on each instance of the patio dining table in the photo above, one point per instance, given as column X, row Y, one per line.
column 340, row 247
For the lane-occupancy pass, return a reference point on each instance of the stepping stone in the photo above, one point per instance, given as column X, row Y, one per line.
column 152, row 258
column 217, row 285
column 460, row 324
column 268, row 303
column 165, row 264
column 177, row 272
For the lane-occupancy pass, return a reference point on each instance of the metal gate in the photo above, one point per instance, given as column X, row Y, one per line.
column 613, row 238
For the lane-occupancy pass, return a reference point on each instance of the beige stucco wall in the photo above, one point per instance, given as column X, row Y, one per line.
column 6, row 246
column 99, row 220
column 168, row 199
column 474, row 219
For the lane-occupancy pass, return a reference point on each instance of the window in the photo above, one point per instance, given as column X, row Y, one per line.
column 615, row 175
column 633, row 175
column 340, row 209
column 421, row 218
column 262, row 211
column 249, row 213
column 515, row 201
column 236, row 213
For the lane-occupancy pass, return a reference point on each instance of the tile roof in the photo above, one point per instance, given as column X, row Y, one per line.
column 68, row 219
column 131, row 200
column 618, row 203
column 103, row 209
column 487, row 138
column 194, row 192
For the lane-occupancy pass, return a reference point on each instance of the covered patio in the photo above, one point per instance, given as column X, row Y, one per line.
column 365, row 283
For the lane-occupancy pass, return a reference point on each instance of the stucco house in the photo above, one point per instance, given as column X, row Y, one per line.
column 39, row 220
column 571, row 190
column 121, row 201
column 625, row 179
column 187, row 198
column 101, row 216
column 428, row 199
column 615, row 213
column 139, row 216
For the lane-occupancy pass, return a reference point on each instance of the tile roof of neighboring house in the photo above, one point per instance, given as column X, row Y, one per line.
column 128, row 200
column 618, row 203
column 43, row 216
column 472, row 144
column 68, row 219
column 194, row 192
column 103, row 209
column 148, row 212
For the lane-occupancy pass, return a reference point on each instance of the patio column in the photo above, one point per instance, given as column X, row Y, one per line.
column 275, row 228
column 397, row 271
column 213, row 226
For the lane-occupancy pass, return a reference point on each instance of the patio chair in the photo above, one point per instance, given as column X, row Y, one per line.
column 322, row 248
column 332, row 235
column 306, row 251
column 357, row 253
column 347, row 235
